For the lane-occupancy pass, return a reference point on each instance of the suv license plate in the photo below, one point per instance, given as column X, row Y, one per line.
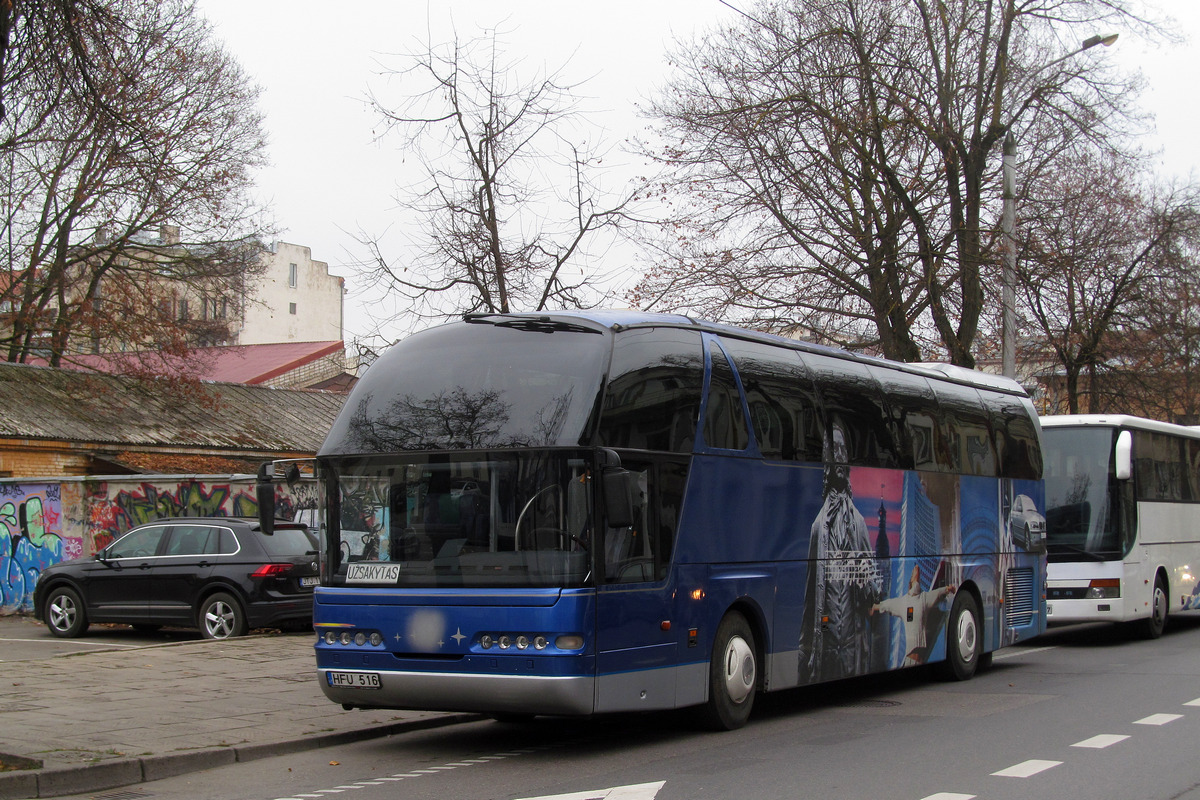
column 355, row 680
column 309, row 580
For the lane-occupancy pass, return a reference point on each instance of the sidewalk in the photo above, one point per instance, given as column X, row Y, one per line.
column 100, row 720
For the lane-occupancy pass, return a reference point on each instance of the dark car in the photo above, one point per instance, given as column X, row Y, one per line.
column 222, row 575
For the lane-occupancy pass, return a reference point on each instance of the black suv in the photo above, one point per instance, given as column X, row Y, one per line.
column 222, row 575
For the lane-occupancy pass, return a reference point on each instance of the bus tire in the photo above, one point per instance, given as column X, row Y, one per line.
column 964, row 640
column 732, row 675
column 1152, row 626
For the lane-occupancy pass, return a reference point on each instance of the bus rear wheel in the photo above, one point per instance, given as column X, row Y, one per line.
column 732, row 675
column 1152, row 627
column 964, row 643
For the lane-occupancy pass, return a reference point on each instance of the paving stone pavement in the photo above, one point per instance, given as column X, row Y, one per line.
column 99, row 720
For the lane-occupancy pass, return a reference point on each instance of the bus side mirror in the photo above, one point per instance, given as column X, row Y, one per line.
column 264, row 492
column 1123, row 456
column 618, row 498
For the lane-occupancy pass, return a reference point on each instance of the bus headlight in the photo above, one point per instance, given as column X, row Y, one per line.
column 1104, row 589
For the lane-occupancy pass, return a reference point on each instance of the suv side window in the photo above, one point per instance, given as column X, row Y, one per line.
column 229, row 543
column 193, row 540
column 138, row 544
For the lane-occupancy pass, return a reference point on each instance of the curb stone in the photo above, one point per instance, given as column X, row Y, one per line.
column 59, row 781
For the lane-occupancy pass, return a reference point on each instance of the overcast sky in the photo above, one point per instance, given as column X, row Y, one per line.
column 330, row 177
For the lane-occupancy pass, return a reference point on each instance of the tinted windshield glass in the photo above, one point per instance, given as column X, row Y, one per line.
column 288, row 542
column 488, row 521
column 1082, row 496
column 475, row 386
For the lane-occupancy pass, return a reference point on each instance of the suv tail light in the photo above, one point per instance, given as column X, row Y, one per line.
column 271, row 571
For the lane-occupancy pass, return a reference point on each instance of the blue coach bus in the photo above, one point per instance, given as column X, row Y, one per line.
column 577, row 513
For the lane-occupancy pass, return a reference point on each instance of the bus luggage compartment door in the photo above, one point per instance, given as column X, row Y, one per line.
column 636, row 654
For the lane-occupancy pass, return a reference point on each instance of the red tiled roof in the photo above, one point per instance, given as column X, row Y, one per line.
column 249, row 364
column 257, row 363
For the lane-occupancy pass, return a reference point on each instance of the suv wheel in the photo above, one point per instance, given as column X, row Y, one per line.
column 221, row 617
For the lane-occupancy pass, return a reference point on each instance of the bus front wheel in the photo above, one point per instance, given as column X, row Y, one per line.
column 1152, row 627
column 964, row 643
column 732, row 675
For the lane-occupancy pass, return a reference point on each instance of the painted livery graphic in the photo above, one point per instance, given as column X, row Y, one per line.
column 887, row 552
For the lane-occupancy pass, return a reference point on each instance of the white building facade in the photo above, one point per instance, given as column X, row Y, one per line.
column 295, row 299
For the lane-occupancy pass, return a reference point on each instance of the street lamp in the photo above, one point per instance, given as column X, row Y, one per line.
column 1008, row 224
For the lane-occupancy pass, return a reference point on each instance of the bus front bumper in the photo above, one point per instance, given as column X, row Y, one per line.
column 1064, row 611
column 449, row 691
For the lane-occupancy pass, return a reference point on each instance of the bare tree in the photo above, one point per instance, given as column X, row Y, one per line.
column 118, row 212
column 1106, row 264
column 842, row 157
column 55, row 49
column 510, row 209
column 1156, row 371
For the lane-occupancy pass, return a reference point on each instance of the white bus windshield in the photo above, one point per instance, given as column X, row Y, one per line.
column 1084, row 518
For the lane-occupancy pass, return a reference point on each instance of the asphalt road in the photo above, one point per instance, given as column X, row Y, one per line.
column 1084, row 713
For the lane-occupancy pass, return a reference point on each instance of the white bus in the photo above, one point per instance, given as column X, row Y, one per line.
column 1122, row 519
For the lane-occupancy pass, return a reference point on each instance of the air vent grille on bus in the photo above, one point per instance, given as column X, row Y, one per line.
column 1019, row 605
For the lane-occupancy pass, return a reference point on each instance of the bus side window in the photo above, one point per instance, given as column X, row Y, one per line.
column 849, row 392
column 1018, row 449
column 913, row 416
column 724, row 420
column 652, row 401
column 780, row 395
column 642, row 552
column 969, row 442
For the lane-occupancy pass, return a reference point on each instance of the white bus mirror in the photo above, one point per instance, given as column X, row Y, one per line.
column 1123, row 456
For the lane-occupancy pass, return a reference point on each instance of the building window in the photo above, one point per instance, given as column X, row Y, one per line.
column 292, row 276
column 292, row 308
column 183, row 308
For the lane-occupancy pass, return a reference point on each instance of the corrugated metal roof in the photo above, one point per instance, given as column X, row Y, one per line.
column 44, row 403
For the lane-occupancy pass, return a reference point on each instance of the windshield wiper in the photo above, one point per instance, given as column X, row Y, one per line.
column 1070, row 549
column 532, row 324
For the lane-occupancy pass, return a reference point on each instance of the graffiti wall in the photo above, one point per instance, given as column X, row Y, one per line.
column 44, row 523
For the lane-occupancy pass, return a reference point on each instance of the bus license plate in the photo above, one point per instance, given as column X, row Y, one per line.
column 355, row 680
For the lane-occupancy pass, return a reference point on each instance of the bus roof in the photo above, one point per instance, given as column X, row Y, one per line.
column 622, row 319
column 1118, row 421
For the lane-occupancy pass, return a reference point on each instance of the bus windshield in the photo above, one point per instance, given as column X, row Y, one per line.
column 1083, row 497
column 448, row 389
column 500, row 519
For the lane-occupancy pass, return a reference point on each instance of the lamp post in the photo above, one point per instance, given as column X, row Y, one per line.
column 1008, row 224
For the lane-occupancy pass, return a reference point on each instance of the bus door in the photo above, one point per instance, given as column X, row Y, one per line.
column 635, row 644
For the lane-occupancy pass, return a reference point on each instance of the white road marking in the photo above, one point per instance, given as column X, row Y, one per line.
column 949, row 796
column 1010, row 652
column 1027, row 768
column 1158, row 719
column 419, row 773
column 639, row 791
column 1195, row 702
column 1101, row 741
